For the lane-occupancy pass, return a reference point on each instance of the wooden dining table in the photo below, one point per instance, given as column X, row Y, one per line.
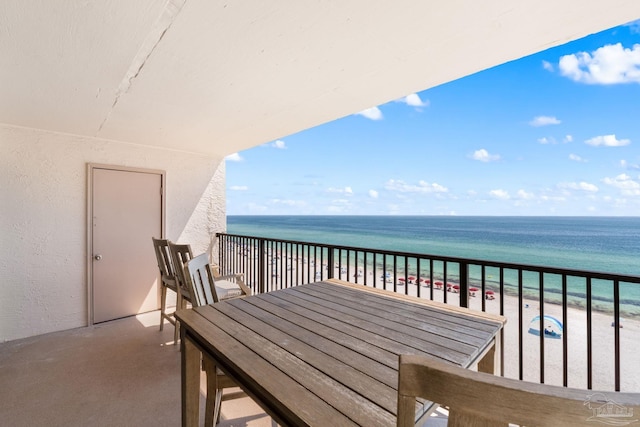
column 326, row 353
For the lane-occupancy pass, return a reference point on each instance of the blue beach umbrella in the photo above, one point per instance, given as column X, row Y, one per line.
column 550, row 326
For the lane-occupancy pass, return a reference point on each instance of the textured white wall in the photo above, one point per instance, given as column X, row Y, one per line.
column 43, row 192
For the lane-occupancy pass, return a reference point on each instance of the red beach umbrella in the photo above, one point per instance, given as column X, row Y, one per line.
column 401, row 279
column 411, row 278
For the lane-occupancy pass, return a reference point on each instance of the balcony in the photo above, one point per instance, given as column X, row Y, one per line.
column 126, row 372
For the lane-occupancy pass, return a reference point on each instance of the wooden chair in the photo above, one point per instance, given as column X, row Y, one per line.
column 482, row 400
column 180, row 255
column 167, row 281
column 207, row 289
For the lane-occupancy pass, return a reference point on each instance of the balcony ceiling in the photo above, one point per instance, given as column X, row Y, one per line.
column 217, row 77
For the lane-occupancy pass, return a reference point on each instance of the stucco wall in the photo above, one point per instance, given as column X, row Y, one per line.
column 43, row 193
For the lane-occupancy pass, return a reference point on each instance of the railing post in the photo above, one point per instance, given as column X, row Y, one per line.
column 262, row 259
column 330, row 262
column 464, row 285
column 223, row 251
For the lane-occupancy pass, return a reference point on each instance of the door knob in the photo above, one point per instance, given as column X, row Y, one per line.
column 97, row 257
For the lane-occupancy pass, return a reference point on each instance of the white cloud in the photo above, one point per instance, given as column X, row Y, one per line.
column 422, row 187
column 413, row 100
column 545, row 140
column 373, row 194
column 607, row 141
column 484, row 156
column 372, row 113
column 625, row 183
column 568, row 138
column 499, row 194
column 547, row 65
column 345, row 190
column 238, row 188
column 522, row 194
column 610, row 64
column 576, row 158
column 276, row 144
column 582, row 186
column 631, row 166
column 343, row 202
column 235, row 157
column 288, row 202
column 544, row 121
column 553, row 198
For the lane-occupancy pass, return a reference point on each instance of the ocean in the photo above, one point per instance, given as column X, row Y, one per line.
column 601, row 244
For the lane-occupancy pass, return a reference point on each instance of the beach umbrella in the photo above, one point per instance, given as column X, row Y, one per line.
column 438, row 283
column 489, row 295
column 549, row 326
column 401, row 279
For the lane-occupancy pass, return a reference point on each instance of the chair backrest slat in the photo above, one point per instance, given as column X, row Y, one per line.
column 200, row 280
column 163, row 257
column 481, row 399
column 180, row 255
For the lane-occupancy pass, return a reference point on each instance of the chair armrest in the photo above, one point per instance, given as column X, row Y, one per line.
column 237, row 279
column 215, row 270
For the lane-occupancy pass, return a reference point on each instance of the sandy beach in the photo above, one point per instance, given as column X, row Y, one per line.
column 603, row 334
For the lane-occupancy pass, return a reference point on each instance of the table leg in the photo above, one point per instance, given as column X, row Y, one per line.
column 490, row 363
column 190, row 368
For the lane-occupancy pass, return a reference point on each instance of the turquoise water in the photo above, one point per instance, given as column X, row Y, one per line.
column 601, row 244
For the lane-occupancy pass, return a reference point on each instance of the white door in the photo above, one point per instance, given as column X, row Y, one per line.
column 126, row 213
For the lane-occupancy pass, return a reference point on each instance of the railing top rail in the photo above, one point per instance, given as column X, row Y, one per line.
column 469, row 261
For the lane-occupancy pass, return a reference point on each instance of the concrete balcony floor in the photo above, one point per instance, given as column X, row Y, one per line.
column 119, row 373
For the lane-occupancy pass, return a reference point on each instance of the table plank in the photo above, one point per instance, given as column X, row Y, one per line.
column 276, row 330
column 482, row 325
column 259, row 378
column 356, row 352
column 404, row 312
column 406, row 341
column 417, row 316
column 477, row 321
column 382, row 349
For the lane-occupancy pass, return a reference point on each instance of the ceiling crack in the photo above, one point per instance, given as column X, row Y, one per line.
column 169, row 14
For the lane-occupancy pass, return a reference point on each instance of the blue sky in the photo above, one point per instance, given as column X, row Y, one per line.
column 555, row 133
